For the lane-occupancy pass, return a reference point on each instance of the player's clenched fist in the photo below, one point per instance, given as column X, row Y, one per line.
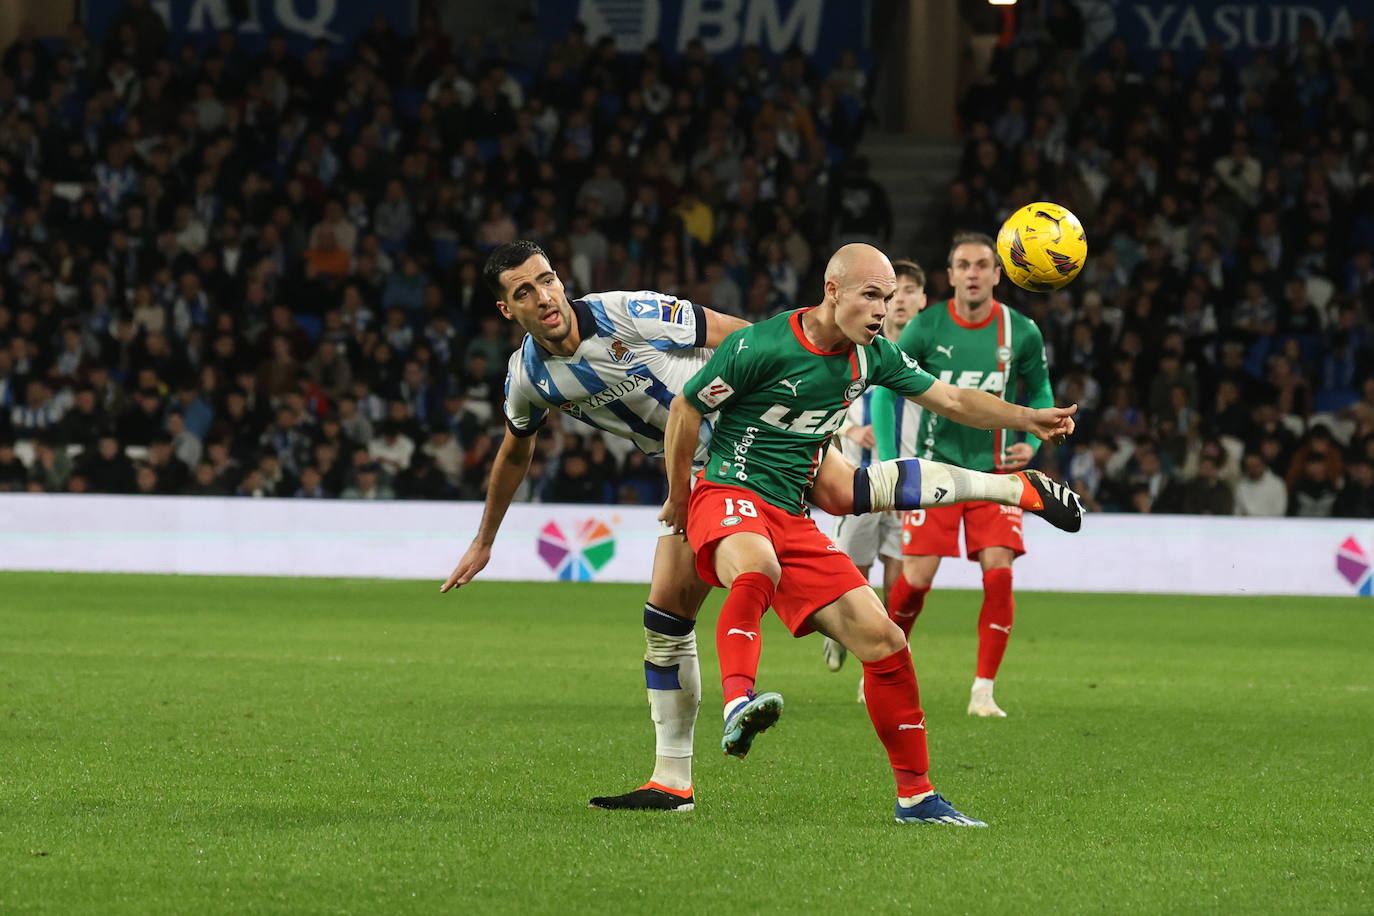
column 674, row 514
column 1053, row 424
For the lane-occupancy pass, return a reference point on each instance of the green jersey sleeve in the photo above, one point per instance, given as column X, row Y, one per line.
column 1032, row 367
column 894, row 369
column 726, row 375
column 885, row 422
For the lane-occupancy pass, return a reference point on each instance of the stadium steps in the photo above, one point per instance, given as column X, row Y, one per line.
column 915, row 171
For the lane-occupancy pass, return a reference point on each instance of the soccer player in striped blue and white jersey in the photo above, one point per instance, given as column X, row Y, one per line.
column 614, row 361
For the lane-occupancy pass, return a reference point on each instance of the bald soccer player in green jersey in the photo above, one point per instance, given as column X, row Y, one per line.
column 781, row 388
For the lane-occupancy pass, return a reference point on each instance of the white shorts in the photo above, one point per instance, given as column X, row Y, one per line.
column 866, row 537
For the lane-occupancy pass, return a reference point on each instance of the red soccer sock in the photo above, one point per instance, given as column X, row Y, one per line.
column 894, row 705
column 994, row 621
column 904, row 604
column 737, row 632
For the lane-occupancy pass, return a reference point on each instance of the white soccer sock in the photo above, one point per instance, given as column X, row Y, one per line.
column 982, row 683
column 673, row 680
column 915, row 483
column 734, row 704
column 906, row 801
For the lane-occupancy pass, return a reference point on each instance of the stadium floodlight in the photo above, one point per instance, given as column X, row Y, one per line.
column 1002, row 2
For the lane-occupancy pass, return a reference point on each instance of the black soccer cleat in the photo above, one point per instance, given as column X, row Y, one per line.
column 1055, row 503
column 648, row 797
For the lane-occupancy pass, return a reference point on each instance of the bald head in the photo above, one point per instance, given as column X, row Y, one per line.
column 858, row 263
column 859, row 284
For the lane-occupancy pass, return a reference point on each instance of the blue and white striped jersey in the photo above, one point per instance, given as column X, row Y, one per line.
column 860, row 413
column 638, row 349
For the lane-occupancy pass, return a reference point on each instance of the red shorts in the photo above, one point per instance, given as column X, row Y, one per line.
column 814, row 571
column 935, row 532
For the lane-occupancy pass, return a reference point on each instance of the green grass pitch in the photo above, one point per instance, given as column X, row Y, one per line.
column 193, row 745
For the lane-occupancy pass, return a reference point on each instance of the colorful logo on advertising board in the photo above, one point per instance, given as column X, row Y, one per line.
column 1355, row 567
column 579, row 554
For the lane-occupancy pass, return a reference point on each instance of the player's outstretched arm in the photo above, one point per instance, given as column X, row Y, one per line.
column 720, row 326
column 509, row 468
column 986, row 411
column 679, row 445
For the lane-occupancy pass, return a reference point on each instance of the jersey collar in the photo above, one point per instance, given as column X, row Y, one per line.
column 954, row 315
column 797, row 329
column 586, row 325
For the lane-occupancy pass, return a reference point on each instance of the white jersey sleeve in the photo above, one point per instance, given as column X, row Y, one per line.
column 859, row 413
column 663, row 322
column 523, row 406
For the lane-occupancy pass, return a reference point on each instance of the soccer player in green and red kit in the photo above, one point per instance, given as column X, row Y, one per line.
column 972, row 342
column 782, row 388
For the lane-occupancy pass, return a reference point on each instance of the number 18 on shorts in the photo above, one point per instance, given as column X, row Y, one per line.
column 814, row 571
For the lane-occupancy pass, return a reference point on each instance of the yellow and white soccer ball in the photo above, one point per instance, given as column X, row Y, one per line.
column 1042, row 247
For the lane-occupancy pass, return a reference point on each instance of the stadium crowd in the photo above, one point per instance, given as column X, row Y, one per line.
column 1220, row 340
column 258, row 275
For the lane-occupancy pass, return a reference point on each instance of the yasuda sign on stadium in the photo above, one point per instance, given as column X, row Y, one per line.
column 820, row 28
column 1186, row 28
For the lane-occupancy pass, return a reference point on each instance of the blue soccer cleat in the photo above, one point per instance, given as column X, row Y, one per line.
column 933, row 809
column 760, row 713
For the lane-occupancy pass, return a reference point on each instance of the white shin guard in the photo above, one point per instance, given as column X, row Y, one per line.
column 915, row 483
column 673, row 678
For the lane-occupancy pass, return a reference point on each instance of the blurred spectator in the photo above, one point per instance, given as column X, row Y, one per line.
column 204, row 482
column 13, row 474
column 41, row 411
column 51, row 469
column 863, row 213
column 1206, row 494
column 1314, row 493
column 369, row 485
column 172, row 473
column 108, row 469
column 1260, row 492
column 446, row 453
column 392, row 449
column 574, row 482
column 312, row 484
column 423, row 480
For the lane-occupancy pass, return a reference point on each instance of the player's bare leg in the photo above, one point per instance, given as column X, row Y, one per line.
column 857, row 620
column 672, row 677
column 994, row 628
column 831, row 649
column 916, row 483
column 746, row 564
column 892, row 574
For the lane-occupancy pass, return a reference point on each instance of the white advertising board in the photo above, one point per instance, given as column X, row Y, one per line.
column 419, row 540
